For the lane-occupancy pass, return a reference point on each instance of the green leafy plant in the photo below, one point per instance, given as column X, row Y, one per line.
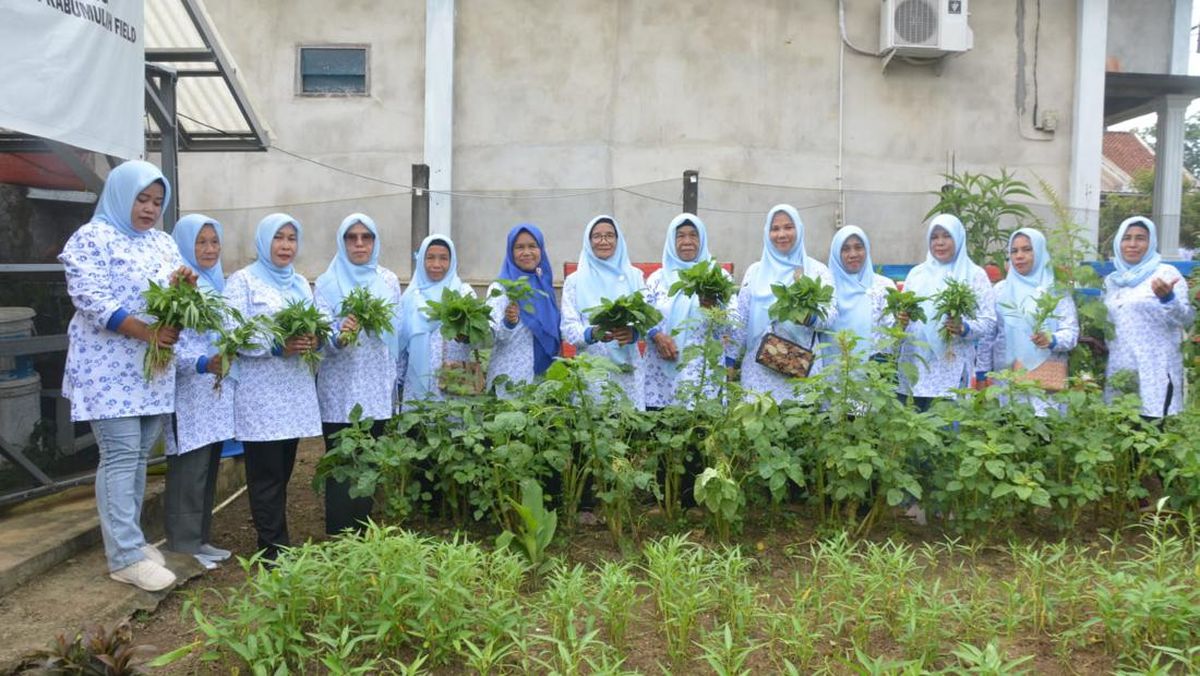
column 805, row 300
column 905, row 302
column 630, row 310
column 1044, row 309
column 99, row 651
column 374, row 314
column 463, row 316
column 536, row 529
column 983, row 203
column 182, row 305
column 517, row 291
column 302, row 318
column 706, row 280
column 244, row 335
column 957, row 300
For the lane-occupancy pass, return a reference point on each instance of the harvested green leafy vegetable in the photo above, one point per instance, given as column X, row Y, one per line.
column 630, row 310
column 245, row 335
column 803, row 300
column 302, row 318
column 956, row 301
column 517, row 291
column 374, row 314
column 706, row 281
column 182, row 305
column 905, row 302
column 462, row 316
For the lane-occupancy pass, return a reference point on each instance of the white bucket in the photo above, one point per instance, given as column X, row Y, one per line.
column 16, row 322
column 20, row 410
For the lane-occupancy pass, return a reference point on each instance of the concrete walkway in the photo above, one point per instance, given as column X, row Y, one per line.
column 53, row 577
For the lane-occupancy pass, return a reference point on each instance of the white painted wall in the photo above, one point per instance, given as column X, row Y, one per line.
column 568, row 98
column 1143, row 43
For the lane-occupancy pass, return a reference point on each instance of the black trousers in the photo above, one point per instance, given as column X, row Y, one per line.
column 343, row 512
column 188, row 497
column 269, row 467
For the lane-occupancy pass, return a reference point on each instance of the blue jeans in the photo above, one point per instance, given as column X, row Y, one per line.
column 121, row 484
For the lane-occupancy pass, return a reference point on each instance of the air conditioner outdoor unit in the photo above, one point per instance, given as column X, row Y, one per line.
column 924, row 28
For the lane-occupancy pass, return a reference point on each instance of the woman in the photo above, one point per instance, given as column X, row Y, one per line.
column 203, row 414
column 527, row 335
column 783, row 261
column 860, row 294
column 276, row 399
column 604, row 272
column 1147, row 302
column 359, row 374
column 1030, row 276
column 109, row 262
column 942, row 367
column 423, row 350
column 683, row 323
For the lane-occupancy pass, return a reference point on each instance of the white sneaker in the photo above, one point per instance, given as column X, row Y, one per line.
column 151, row 552
column 145, row 574
column 209, row 564
column 213, row 553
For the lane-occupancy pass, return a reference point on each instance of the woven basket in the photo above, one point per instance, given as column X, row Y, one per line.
column 1050, row 376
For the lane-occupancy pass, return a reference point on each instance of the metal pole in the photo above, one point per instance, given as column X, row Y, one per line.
column 420, row 206
column 691, row 191
column 160, row 103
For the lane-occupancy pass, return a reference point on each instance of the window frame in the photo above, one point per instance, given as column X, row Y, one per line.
column 299, row 74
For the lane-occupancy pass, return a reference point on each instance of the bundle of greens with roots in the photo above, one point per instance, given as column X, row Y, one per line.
column 302, row 318
column 246, row 334
column 182, row 305
column 805, row 300
column 628, row 311
column 706, row 281
column 956, row 301
column 517, row 291
column 374, row 314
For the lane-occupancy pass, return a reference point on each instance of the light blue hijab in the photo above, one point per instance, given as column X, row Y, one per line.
column 186, row 232
column 597, row 279
column 121, row 188
column 1132, row 274
column 851, row 289
column 343, row 276
column 684, row 310
column 1015, row 302
column 774, row 268
column 930, row 277
column 416, row 329
column 291, row 284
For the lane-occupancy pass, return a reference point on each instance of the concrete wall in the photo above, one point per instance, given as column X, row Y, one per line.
column 1139, row 35
column 556, row 103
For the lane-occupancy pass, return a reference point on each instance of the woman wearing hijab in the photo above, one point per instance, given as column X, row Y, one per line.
column 423, row 349
column 604, row 272
column 276, row 399
column 360, row 374
column 860, row 294
column 783, row 261
column 942, row 367
column 683, row 324
column 203, row 415
column 527, row 334
column 109, row 262
column 1147, row 302
column 1030, row 276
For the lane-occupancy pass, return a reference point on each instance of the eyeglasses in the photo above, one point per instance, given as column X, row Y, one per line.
column 359, row 237
column 604, row 237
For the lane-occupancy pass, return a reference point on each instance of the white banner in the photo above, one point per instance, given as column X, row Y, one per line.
column 73, row 71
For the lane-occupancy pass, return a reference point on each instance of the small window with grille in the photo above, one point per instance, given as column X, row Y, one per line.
column 333, row 70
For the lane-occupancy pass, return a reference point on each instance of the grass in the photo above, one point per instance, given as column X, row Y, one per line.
column 394, row 601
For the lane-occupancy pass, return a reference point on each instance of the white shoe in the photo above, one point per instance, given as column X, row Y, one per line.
column 213, row 553
column 209, row 564
column 151, row 552
column 145, row 574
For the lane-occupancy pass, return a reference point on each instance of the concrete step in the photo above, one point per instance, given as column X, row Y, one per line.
column 53, row 575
